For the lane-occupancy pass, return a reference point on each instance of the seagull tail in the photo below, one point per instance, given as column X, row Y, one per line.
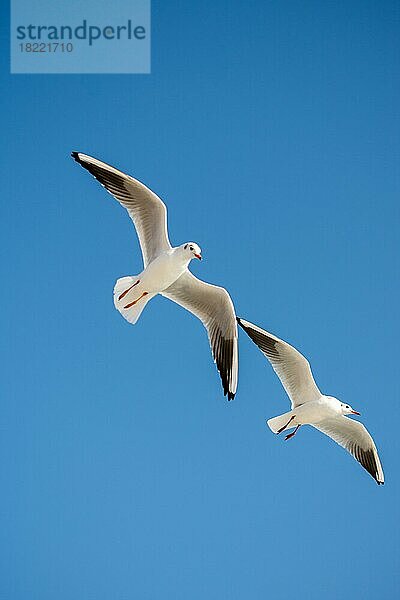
column 277, row 423
column 130, row 298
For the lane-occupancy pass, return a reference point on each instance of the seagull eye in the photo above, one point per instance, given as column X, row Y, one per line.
column 191, row 247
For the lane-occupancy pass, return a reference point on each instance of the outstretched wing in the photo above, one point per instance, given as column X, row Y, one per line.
column 353, row 436
column 147, row 211
column 214, row 307
column 292, row 368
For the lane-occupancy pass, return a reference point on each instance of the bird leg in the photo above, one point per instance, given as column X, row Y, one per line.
column 290, row 435
column 287, row 424
column 135, row 301
column 126, row 291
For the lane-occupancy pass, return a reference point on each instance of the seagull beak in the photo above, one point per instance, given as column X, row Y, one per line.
column 354, row 412
column 198, row 256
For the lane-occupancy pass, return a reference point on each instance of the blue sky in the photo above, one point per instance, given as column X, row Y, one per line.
column 271, row 130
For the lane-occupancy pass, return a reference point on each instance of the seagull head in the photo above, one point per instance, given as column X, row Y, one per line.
column 348, row 410
column 192, row 250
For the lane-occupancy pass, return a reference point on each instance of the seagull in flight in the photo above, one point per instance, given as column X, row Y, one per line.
column 166, row 270
column 309, row 406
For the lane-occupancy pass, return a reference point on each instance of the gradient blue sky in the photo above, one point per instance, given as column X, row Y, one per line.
column 271, row 130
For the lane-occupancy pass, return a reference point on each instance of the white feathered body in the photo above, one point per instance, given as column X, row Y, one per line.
column 310, row 413
column 159, row 275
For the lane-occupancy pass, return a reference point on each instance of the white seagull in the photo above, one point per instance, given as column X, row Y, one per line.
column 309, row 406
column 166, row 270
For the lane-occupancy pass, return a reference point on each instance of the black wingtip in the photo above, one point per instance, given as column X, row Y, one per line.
column 228, row 393
column 75, row 156
column 239, row 320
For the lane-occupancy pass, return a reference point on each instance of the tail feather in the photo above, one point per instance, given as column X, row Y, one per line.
column 126, row 291
column 280, row 421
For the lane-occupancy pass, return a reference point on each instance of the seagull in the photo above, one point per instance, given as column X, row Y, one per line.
column 166, row 270
column 309, row 406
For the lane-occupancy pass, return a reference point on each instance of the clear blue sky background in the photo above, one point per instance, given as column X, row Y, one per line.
column 271, row 130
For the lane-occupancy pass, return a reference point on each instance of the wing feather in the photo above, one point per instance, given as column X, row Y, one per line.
column 292, row 368
column 146, row 209
column 214, row 307
column 356, row 439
